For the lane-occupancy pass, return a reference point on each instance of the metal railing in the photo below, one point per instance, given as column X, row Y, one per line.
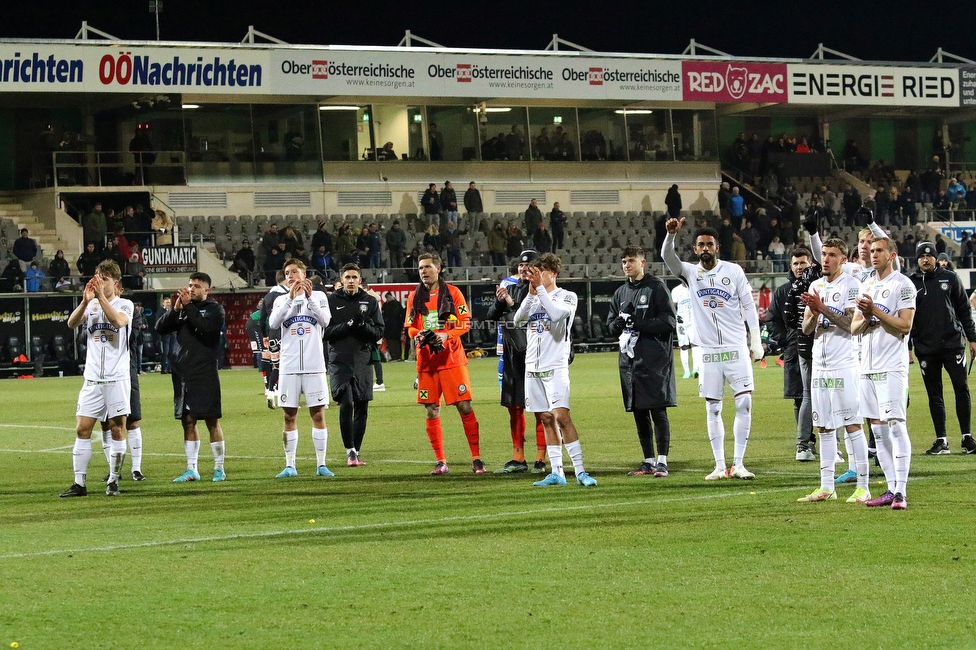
column 100, row 168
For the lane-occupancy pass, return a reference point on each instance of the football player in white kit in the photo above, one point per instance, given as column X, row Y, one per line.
column 884, row 315
column 105, row 393
column 722, row 306
column 830, row 304
column 548, row 313
column 682, row 301
column 302, row 315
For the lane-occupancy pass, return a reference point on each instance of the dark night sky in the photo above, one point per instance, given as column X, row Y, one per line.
column 896, row 30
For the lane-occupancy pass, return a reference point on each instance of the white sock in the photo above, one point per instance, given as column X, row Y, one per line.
column 555, row 453
column 80, row 457
column 857, row 456
column 662, row 460
column 192, row 449
column 107, row 446
column 218, row 453
column 320, row 440
column 741, row 426
column 118, row 457
column 716, row 431
column 350, row 450
column 885, row 456
column 291, row 447
column 135, row 449
column 576, row 455
column 828, row 451
column 902, row 452
column 850, row 452
column 685, row 355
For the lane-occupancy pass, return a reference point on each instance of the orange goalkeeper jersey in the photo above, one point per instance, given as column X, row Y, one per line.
column 453, row 354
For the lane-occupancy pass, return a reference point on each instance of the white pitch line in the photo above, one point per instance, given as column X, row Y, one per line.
column 35, row 426
column 379, row 525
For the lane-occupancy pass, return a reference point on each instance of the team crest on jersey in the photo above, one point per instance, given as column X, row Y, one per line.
column 944, row 285
column 363, row 307
column 885, row 293
column 283, row 398
column 726, row 281
column 643, row 299
column 462, row 389
column 423, row 394
column 301, row 330
column 835, row 297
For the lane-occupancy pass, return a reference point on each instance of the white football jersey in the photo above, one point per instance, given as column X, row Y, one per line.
column 880, row 350
column 548, row 318
column 302, row 324
column 108, row 346
column 856, row 271
column 832, row 345
column 682, row 299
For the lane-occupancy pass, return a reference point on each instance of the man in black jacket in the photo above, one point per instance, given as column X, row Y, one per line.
column 938, row 341
column 472, row 199
column 783, row 320
column 507, row 301
column 197, row 320
column 393, row 315
column 356, row 326
column 271, row 341
column 642, row 317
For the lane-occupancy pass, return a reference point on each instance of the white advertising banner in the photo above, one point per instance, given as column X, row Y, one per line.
column 873, row 85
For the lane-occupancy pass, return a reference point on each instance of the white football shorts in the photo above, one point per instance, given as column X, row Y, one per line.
column 834, row 396
column 720, row 365
column 104, row 400
column 884, row 395
column 548, row 390
column 313, row 385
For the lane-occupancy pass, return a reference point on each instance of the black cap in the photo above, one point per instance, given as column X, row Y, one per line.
column 528, row 255
column 924, row 248
column 943, row 257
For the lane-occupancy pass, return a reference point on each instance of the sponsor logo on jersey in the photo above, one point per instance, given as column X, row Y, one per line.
column 721, row 357
column 301, row 318
column 422, row 394
column 908, row 293
column 882, row 308
column 102, row 326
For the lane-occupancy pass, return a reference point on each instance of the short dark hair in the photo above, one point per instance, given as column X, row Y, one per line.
column 838, row 243
column 109, row 268
column 433, row 257
column 632, row 251
column 801, row 251
column 548, row 262
column 201, row 276
column 351, row 267
column 706, row 232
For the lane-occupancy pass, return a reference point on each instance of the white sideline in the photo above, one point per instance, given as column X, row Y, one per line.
column 380, row 525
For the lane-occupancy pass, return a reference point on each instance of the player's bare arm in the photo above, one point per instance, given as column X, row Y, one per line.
column 112, row 315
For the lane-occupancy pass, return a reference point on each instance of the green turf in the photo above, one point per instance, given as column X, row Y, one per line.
column 397, row 558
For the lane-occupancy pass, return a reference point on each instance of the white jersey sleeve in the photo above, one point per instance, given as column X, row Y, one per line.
column 832, row 346
column 548, row 318
column 682, row 300
column 302, row 323
column 107, row 358
column 882, row 351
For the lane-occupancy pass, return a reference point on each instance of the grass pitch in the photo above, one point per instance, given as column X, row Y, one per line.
column 397, row 558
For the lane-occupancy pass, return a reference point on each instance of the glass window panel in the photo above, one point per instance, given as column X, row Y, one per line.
column 219, row 142
column 452, row 133
column 648, row 134
column 602, row 134
column 343, row 132
column 286, row 142
column 503, row 133
column 553, row 133
column 694, row 135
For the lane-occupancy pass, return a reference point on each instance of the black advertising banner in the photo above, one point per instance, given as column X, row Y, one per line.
column 13, row 320
column 170, row 259
column 602, row 295
column 49, row 317
column 481, row 296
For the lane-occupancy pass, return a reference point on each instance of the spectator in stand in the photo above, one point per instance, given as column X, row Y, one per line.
column 755, row 148
column 163, row 226
column 725, row 240
column 387, row 152
column 449, row 205
column 673, row 201
column 25, row 249
column 273, row 262
column 542, row 239
column 940, row 244
column 123, row 247
column 829, row 202
column 967, row 250
column 738, row 248
column 787, row 234
column 345, row 244
column 852, row 202
column 433, row 239
column 322, row 237
column 393, row 317
column 396, row 243
column 852, row 157
column 452, row 245
column 135, row 273
column 942, row 205
column 375, row 243
column 292, row 239
column 94, row 226
column 33, row 277
column 12, row 278
column 111, row 252
column 244, row 263
column 882, row 206
column 736, row 208
column 302, row 257
column 514, row 144
column 59, row 266
column 956, row 193
column 497, row 244
column 323, row 262
column 803, row 146
column 514, row 244
column 908, row 203
column 436, row 140
column 533, row 217
column 142, row 228
column 750, row 239
column 431, row 203
column 270, row 239
column 777, row 253
column 472, row 199
column 113, row 221
column 410, row 264
column 971, row 199
column 930, row 180
column 88, row 262
column 362, row 244
column 724, row 194
column 557, row 221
